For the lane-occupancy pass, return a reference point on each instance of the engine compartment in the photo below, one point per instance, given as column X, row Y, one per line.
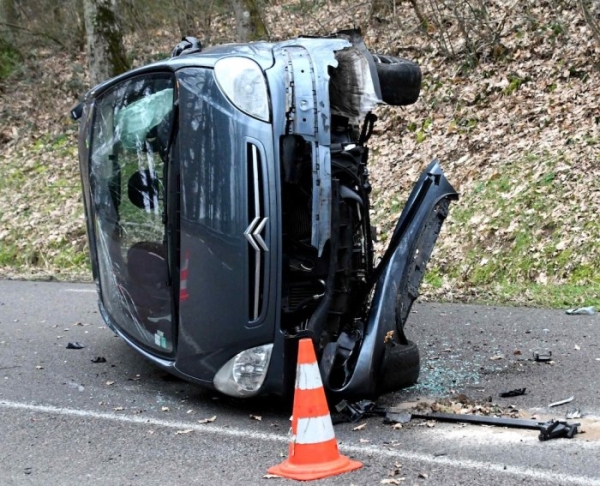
column 324, row 293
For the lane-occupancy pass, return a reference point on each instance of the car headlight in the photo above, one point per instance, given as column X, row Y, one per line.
column 244, row 84
column 244, row 374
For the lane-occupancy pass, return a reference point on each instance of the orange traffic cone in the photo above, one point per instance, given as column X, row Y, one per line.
column 313, row 449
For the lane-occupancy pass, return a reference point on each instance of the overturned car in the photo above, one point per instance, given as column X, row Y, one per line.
column 226, row 193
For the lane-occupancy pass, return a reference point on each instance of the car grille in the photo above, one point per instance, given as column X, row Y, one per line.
column 255, row 232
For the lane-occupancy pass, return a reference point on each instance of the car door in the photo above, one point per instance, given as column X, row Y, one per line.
column 129, row 160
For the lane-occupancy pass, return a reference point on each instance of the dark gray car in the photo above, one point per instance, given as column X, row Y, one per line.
column 227, row 201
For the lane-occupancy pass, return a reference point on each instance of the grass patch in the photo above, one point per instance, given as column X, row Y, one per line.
column 10, row 59
column 526, row 237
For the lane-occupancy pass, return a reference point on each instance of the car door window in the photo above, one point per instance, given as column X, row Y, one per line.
column 128, row 164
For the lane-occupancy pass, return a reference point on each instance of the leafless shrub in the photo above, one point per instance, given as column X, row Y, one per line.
column 181, row 17
column 45, row 22
column 464, row 28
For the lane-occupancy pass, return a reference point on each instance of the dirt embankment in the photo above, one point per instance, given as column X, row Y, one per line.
column 513, row 115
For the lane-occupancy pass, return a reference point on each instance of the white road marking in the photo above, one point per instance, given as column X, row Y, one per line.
column 80, row 290
column 524, row 472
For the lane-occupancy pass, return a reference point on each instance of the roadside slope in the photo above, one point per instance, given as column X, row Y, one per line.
column 515, row 124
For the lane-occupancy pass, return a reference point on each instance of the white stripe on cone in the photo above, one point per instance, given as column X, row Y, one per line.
column 314, row 430
column 308, row 377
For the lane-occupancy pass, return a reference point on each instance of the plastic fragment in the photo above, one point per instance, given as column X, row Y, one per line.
column 513, row 393
column 542, row 355
column 353, row 412
column 561, row 402
column 75, row 345
column 208, row 420
column 576, row 413
column 581, row 311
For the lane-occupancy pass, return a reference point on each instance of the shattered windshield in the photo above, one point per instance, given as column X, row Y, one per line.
column 128, row 165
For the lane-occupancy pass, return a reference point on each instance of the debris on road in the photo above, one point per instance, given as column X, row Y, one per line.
column 581, row 311
column 552, row 429
column 393, row 480
column 556, row 429
column 75, row 345
column 98, row 359
column 543, row 356
column 208, row 420
column 572, row 414
column 392, row 418
column 353, row 412
column 469, row 412
column 513, row 393
column 561, row 402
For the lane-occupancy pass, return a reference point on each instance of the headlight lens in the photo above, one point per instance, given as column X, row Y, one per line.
column 243, row 82
column 244, row 374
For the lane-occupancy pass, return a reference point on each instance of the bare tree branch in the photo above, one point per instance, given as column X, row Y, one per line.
column 34, row 33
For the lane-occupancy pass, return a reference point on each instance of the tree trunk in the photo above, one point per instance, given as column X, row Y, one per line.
column 104, row 40
column 250, row 26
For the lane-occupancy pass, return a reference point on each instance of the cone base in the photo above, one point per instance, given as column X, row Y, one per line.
column 308, row 472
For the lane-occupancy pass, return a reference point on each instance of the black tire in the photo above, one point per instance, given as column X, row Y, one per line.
column 401, row 367
column 400, row 80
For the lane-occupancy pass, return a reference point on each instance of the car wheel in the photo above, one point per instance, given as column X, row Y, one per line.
column 400, row 80
column 401, row 367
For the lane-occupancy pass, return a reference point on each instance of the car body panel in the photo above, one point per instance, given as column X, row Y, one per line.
column 431, row 188
column 216, row 319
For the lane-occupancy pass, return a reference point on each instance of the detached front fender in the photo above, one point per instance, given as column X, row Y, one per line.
column 399, row 275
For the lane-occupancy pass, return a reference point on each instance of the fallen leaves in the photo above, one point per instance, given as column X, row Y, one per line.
column 501, row 119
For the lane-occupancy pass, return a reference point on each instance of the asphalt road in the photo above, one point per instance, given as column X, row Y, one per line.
column 65, row 420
